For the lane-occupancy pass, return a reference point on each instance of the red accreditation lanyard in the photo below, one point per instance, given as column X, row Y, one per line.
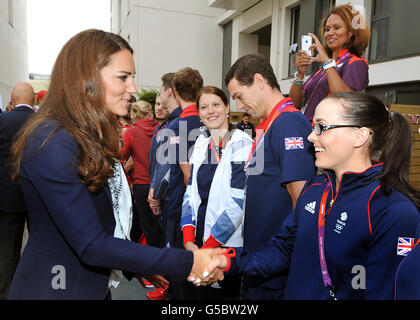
column 266, row 125
column 321, row 241
column 216, row 153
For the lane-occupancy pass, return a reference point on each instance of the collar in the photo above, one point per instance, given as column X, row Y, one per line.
column 174, row 114
column 189, row 111
column 263, row 125
column 24, row 105
column 342, row 52
column 353, row 180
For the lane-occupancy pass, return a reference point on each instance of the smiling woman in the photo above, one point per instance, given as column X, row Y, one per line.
column 361, row 214
column 118, row 81
column 340, row 55
column 79, row 201
column 213, row 206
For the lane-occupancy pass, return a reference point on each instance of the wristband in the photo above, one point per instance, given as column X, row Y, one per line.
column 297, row 81
column 229, row 253
column 329, row 64
column 188, row 233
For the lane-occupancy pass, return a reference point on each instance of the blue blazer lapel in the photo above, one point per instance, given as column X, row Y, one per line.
column 108, row 193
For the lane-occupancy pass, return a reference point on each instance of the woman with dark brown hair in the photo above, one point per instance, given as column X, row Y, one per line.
column 353, row 225
column 343, row 68
column 79, row 203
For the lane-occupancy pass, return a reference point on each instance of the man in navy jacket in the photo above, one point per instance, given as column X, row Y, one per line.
column 283, row 153
column 12, row 204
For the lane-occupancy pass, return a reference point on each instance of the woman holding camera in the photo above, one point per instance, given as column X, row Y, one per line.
column 344, row 41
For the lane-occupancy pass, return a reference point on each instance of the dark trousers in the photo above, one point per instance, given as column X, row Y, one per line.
column 11, row 234
column 149, row 222
column 163, row 221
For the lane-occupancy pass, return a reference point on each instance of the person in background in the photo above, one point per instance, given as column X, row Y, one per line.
column 136, row 144
column 12, row 204
column 159, row 178
column 279, row 165
column 125, row 122
column 79, row 202
column 246, row 126
column 340, row 54
column 140, row 110
column 160, row 182
column 213, row 206
column 9, row 106
column 182, row 133
column 40, row 98
column 161, row 117
column 161, row 112
column 353, row 225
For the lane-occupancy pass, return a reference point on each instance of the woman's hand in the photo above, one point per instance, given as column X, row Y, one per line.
column 322, row 55
column 302, row 63
column 191, row 246
column 202, row 261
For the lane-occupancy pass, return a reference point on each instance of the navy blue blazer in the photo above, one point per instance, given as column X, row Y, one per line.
column 11, row 198
column 72, row 230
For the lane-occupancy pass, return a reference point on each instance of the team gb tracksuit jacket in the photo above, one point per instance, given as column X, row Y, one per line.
column 364, row 233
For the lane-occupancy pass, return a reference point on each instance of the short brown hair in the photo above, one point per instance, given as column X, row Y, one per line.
column 167, row 80
column 187, row 82
column 247, row 66
column 360, row 38
column 211, row 90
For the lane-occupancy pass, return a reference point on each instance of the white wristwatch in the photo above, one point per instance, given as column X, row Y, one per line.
column 331, row 64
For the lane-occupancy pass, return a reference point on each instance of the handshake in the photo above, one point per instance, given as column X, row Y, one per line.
column 209, row 265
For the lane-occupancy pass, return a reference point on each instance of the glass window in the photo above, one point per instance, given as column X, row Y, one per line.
column 294, row 38
column 380, row 29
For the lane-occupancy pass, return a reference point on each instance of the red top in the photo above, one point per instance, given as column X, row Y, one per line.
column 189, row 111
column 137, row 141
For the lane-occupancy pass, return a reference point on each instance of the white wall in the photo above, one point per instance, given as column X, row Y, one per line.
column 395, row 71
column 243, row 41
column 14, row 48
column 168, row 35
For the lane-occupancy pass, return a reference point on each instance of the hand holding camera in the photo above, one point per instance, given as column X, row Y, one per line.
column 317, row 46
column 305, row 56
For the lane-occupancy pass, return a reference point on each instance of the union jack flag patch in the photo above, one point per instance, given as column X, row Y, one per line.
column 405, row 245
column 174, row 140
column 293, row 143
